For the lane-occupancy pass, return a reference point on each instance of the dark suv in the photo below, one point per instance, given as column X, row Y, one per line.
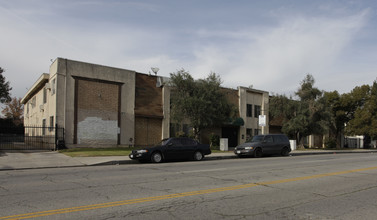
column 264, row 145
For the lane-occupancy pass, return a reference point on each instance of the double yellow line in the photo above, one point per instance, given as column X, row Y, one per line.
column 176, row 195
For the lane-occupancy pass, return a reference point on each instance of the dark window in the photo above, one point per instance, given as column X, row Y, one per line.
column 188, row 142
column 249, row 110
column 51, row 123
column 44, row 127
column 276, row 138
column 257, row 131
column 44, row 95
column 257, row 111
column 281, row 138
column 33, row 102
column 176, row 142
column 249, row 134
column 269, row 139
column 249, row 131
column 53, row 87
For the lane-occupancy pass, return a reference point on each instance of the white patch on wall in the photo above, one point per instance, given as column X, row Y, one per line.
column 96, row 130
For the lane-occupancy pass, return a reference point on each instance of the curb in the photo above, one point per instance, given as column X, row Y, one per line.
column 331, row 152
column 36, row 168
column 217, row 157
column 225, row 157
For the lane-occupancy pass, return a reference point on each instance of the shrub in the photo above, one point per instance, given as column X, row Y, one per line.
column 214, row 140
column 330, row 142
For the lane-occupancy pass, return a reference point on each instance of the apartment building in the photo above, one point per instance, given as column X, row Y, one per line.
column 101, row 106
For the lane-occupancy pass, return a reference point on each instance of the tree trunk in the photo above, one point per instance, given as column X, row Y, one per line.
column 298, row 140
column 338, row 139
column 196, row 134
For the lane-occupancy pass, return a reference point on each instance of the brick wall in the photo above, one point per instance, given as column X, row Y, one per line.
column 148, row 97
column 148, row 131
column 97, row 112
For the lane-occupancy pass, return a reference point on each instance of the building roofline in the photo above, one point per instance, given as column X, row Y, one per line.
column 95, row 64
column 252, row 90
column 36, row 87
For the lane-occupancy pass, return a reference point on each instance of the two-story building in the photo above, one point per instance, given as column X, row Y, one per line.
column 102, row 106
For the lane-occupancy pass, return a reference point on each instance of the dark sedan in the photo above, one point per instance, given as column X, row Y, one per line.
column 172, row 149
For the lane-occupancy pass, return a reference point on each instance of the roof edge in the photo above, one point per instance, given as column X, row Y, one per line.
column 36, row 87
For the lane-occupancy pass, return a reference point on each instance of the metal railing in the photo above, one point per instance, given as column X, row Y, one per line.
column 31, row 138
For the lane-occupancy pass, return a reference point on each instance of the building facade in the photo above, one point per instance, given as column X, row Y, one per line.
column 101, row 106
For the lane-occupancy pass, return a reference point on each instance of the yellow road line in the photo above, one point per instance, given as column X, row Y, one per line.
column 176, row 195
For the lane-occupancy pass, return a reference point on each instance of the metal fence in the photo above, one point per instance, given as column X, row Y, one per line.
column 31, row 138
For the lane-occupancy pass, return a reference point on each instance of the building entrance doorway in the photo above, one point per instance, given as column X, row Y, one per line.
column 232, row 134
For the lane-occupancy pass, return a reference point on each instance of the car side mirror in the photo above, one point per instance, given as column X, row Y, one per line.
column 170, row 144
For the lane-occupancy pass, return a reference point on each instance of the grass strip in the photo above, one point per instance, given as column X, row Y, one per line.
column 97, row 152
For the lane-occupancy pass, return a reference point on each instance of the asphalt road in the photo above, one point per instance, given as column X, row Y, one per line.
column 339, row 186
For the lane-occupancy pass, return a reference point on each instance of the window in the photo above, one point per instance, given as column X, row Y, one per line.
column 257, row 111
column 188, row 142
column 53, row 86
column 249, row 110
column 257, row 131
column 44, row 95
column 176, row 142
column 33, row 102
column 280, row 138
column 269, row 139
column 51, row 123
column 249, row 134
column 44, row 127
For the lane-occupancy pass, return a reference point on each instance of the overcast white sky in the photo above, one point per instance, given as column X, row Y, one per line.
column 269, row 44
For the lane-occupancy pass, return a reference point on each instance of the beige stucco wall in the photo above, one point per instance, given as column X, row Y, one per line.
column 36, row 110
column 166, row 112
column 253, row 97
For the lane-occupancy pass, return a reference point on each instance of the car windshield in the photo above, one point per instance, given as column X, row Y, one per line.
column 163, row 142
column 257, row 139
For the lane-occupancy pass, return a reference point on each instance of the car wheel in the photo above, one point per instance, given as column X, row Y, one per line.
column 285, row 151
column 198, row 156
column 258, row 153
column 156, row 157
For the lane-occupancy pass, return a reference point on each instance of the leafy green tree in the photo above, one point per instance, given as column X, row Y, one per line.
column 342, row 110
column 4, row 88
column 200, row 101
column 306, row 115
column 313, row 106
column 364, row 120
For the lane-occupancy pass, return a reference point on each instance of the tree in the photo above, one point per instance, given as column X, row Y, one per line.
column 364, row 120
column 4, row 88
column 200, row 101
column 342, row 110
column 14, row 110
column 305, row 116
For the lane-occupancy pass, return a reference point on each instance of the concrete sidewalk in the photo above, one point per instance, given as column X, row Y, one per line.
column 53, row 159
